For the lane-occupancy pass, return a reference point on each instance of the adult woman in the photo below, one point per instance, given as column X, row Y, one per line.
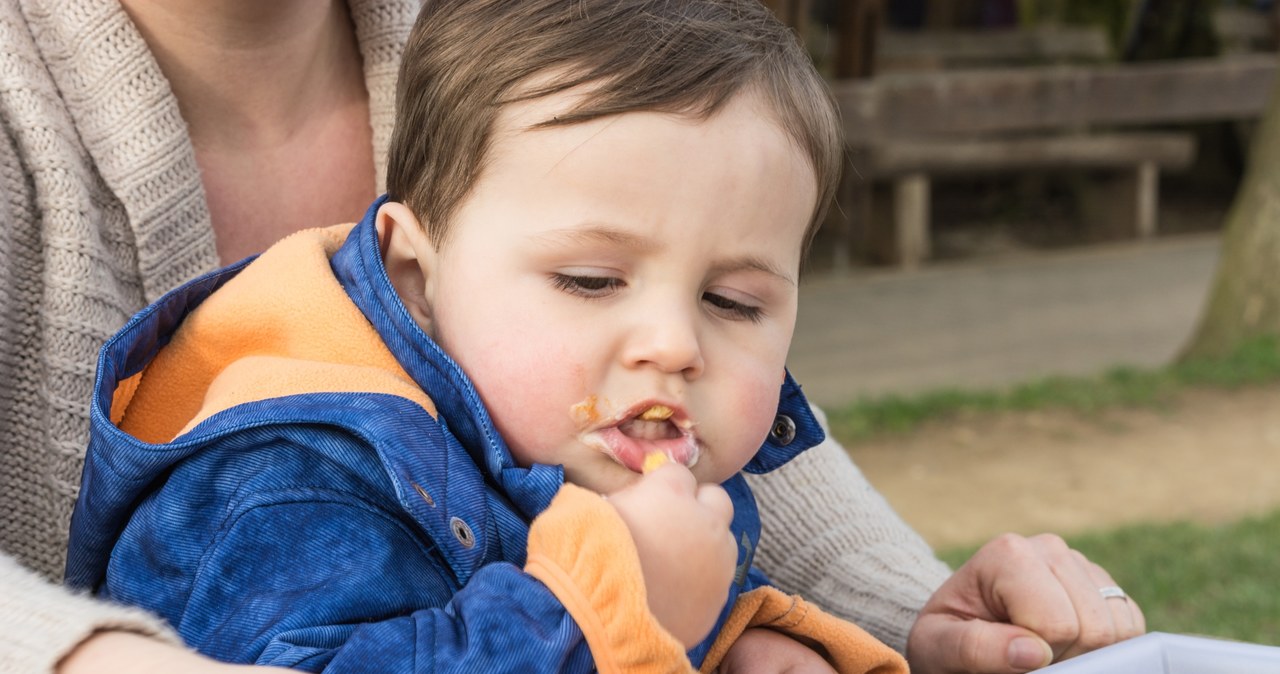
column 150, row 141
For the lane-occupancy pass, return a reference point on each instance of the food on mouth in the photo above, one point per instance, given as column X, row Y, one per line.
column 652, row 461
column 656, row 413
column 585, row 412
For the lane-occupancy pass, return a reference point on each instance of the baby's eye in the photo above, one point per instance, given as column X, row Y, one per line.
column 586, row 286
column 733, row 309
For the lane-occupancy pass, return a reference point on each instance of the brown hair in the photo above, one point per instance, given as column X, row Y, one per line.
column 467, row 58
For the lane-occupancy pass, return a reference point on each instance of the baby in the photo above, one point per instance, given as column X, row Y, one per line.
column 432, row 440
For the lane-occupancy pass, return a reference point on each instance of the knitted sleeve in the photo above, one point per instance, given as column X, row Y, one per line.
column 41, row 623
column 830, row 537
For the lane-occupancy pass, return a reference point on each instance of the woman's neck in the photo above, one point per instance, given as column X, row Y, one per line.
column 274, row 96
column 252, row 73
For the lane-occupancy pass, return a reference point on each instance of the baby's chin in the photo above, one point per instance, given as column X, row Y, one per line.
column 602, row 479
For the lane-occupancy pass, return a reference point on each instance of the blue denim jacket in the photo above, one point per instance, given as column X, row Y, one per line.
column 342, row 531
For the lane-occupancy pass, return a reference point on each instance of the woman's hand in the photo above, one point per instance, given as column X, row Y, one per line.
column 687, row 554
column 1019, row 604
column 764, row 651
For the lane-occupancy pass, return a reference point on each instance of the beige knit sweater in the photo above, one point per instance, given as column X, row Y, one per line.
column 102, row 211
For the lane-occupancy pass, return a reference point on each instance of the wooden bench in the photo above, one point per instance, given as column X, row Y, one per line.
column 908, row 128
column 900, row 51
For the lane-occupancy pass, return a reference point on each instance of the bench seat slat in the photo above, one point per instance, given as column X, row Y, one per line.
column 1118, row 150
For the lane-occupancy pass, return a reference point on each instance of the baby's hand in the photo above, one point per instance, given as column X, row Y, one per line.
column 767, row 652
column 687, row 554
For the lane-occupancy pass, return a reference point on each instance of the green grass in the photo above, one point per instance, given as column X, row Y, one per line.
column 1255, row 362
column 1221, row 581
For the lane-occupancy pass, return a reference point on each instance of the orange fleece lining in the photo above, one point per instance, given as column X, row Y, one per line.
column 284, row 325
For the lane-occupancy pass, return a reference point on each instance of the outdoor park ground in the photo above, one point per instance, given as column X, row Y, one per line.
column 1210, row 456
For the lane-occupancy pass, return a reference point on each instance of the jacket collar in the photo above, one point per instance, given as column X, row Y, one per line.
column 358, row 266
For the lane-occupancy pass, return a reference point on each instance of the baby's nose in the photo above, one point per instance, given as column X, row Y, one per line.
column 668, row 342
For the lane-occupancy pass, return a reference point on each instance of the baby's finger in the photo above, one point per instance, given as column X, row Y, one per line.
column 675, row 477
column 714, row 498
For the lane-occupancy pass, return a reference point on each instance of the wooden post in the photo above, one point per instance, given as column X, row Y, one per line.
column 841, row 219
column 911, row 219
column 857, row 27
column 1147, row 199
column 794, row 13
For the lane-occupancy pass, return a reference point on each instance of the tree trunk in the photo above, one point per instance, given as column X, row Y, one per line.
column 1245, row 300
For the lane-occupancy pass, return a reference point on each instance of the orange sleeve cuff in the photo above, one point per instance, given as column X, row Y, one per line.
column 848, row 648
column 582, row 551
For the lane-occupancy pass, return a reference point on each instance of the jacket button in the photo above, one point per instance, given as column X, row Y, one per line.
column 784, row 430
column 462, row 532
column 423, row 493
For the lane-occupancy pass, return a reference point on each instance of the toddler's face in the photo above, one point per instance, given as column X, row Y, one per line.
column 627, row 285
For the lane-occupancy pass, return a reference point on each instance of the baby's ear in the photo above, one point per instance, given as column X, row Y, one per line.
column 407, row 253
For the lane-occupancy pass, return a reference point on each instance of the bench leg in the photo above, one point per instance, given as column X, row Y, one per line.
column 1148, row 194
column 1124, row 205
column 911, row 219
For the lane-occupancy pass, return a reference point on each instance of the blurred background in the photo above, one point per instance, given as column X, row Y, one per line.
column 1048, row 296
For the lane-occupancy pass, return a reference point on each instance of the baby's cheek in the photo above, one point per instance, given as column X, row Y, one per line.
column 512, row 397
column 755, row 407
column 762, row 411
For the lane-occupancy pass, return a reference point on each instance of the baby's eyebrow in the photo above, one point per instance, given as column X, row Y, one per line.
column 751, row 263
column 598, row 234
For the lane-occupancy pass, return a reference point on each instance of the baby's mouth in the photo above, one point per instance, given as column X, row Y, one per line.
column 636, row 436
column 652, row 424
